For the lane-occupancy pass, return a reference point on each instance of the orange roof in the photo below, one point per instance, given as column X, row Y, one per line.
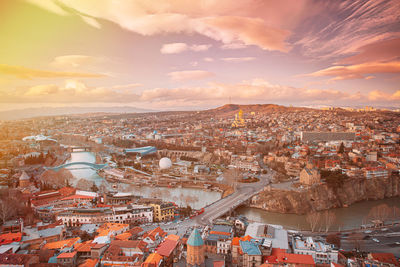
column 67, row 191
column 153, row 258
column 167, row 247
column 77, row 197
column 84, row 247
column 385, row 257
column 89, row 263
column 123, row 236
column 106, row 228
column 219, row 233
column 173, row 237
column 235, row 240
column 62, row 243
column 9, row 238
column 280, row 256
column 66, row 255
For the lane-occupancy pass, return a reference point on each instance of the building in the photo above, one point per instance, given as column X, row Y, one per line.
column 195, row 250
column 123, row 214
column 163, row 211
column 67, row 259
column 125, row 253
column 169, row 250
column 310, row 176
column 251, row 254
column 376, row 172
column 279, row 257
column 327, row 136
column 219, row 239
column 322, row 253
column 264, row 233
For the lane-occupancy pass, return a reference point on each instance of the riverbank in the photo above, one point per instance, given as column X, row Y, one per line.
column 322, row 197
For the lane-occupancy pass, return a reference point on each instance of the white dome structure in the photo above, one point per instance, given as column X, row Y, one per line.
column 165, row 163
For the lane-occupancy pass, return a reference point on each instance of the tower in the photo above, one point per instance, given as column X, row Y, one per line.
column 195, row 249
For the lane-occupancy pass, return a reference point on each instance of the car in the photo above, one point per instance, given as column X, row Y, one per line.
column 397, row 243
column 376, row 240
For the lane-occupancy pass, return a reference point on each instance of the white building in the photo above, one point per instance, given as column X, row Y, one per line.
column 124, row 214
column 322, row 253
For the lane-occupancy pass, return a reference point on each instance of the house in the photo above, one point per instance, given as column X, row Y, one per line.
column 154, row 237
column 322, row 253
column 153, row 260
column 67, row 259
column 251, row 254
column 168, row 249
column 124, row 253
column 310, row 176
column 279, row 257
column 384, row 258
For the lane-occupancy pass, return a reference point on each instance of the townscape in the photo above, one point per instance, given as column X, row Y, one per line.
column 73, row 187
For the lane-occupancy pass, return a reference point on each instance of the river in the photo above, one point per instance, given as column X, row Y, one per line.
column 346, row 218
column 196, row 198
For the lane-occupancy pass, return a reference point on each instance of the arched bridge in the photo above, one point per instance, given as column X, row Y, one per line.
column 66, row 165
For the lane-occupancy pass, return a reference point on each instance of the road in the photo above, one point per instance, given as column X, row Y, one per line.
column 243, row 193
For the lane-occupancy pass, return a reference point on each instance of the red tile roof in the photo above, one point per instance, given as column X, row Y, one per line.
column 280, row 256
column 9, row 238
column 66, row 255
column 385, row 257
column 166, row 247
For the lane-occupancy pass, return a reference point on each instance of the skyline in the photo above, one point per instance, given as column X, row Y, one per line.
column 171, row 55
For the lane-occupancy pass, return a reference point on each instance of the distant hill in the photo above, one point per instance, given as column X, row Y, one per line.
column 57, row 111
column 230, row 109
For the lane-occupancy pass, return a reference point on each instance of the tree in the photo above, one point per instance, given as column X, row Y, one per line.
column 94, row 188
column 8, row 208
column 329, row 219
column 334, row 239
column 313, row 219
column 341, row 148
column 380, row 213
column 357, row 240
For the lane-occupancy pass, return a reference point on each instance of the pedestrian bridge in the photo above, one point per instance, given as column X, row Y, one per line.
column 78, row 165
column 142, row 151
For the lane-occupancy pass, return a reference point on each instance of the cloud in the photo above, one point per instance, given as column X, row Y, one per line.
column 208, row 59
column 74, row 61
column 27, row 73
column 176, row 48
column 198, row 48
column 190, row 75
column 248, row 31
column 261, row 91
column 358, row 71
column 233, row 46
column 72, row 91
column 248, row 91
column 382, row 51
column 342, row 27
column 173, row 48
column 238, row 59
column 244, row 22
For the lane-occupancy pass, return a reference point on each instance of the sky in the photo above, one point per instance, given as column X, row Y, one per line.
column 187, row 55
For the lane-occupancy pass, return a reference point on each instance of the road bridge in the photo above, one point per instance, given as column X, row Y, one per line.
column 243, row 193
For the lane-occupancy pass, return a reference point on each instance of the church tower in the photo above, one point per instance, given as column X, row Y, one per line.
column 195, row 250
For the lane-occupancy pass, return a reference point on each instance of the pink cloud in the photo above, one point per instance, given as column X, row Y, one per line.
column 238, row 59
column 387, row 50
column 358, row 71
column 190, row 75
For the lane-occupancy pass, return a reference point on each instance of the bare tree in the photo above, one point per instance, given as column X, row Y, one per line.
column 380, row 212
column 329, row 219
column 357, row 240
column 313, row 219
column 7, row 209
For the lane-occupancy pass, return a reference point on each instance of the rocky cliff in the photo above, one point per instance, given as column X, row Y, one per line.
column 322, row 197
